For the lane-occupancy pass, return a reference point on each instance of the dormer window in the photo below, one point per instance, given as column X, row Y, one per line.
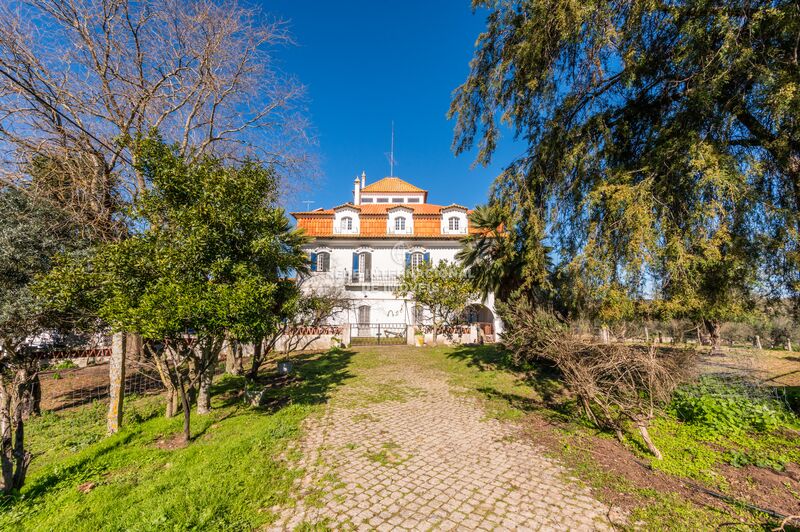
column 400, row 224
column 347, row 223
column 452, row 224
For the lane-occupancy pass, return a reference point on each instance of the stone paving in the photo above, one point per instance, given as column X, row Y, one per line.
column 401, row 449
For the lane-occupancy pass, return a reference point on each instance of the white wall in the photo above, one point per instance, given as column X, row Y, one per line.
column 388, row 260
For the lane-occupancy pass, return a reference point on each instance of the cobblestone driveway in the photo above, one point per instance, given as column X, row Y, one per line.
column 399, row 448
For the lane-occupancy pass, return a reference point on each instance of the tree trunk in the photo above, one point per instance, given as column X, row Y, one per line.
column 204, row 388
column 646, row 335
column 758, row 342
column 194, row 379
column 713, row 327
column 14, row 459
column 650, row 445
column 172, row 403
column 789, row 344
column 22, row 457
column 255, row 363
column 134, row 347
column 605, row 336
column 30, row 402
column 187, row 410
column 116, row 388
column 229, row 357
column 6, row 449
column 435, row 335
column 233, row 358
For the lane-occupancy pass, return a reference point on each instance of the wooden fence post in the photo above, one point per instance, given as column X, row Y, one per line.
column 116, row 385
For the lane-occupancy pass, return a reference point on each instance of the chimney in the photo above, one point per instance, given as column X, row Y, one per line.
column 363, row 179
column 357, row 192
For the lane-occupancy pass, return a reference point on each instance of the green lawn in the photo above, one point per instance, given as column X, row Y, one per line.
column 240, row 465
column 237, row 468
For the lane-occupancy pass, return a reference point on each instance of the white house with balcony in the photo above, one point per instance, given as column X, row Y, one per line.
column 365, row 245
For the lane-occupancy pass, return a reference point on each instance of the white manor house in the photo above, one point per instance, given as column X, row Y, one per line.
column 364, row 246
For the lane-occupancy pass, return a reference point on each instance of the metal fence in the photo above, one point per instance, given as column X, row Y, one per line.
column 378, row 333
column 74, row 378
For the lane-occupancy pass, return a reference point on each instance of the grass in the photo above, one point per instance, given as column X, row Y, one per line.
column 230, row 476
column 241, row 464
column 689, row 452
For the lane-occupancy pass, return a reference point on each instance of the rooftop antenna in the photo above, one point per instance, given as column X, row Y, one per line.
column 308, row 203
column 390, row 155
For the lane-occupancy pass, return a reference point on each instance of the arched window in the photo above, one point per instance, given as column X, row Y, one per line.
column 347, row 223
column 323, row 261
column 452, row 223
column 400, row 223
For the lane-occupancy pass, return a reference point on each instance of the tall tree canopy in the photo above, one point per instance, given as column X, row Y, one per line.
column 663, row 142
column 210, row 260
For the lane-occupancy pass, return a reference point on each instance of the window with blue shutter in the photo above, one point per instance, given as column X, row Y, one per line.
column 427, row 257
column 408, row 260
column 313, row 262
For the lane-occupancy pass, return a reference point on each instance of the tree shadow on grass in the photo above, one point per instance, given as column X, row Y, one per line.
column 312, row 380
column 543, row 377
column 80, row 471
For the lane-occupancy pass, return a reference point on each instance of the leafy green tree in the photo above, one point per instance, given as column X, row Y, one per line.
column 31, row 233
column 442, row 290
column 663, row 144
column 209, row 261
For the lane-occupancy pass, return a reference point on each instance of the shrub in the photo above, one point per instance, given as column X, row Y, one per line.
column 614, row 383
column 64, row 364
column 724, row 405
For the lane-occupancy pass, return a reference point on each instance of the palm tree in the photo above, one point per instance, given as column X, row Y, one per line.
column 490, row 255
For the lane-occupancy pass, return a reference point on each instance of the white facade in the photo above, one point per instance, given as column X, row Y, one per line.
column 366, row 257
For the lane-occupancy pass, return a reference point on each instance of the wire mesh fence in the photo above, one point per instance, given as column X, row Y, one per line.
column 75, row 378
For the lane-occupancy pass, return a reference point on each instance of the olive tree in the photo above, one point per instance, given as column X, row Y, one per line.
column 31, row 234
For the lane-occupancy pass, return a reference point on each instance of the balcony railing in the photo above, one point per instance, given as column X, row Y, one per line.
column 361, row 279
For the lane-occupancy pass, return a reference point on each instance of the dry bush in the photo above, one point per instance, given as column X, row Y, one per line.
column 615, row 384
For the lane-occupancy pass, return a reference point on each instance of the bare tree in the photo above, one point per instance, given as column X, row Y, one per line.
column 78, row 76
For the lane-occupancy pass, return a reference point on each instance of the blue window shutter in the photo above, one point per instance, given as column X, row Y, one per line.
column 408, row 260
column 313, row 262
column 427, row 256
column 355, row 262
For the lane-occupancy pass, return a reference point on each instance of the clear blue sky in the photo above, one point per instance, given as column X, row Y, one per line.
column 368, row 62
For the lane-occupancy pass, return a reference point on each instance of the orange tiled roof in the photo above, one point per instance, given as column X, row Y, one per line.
column 390, row 184
column 379, row 209
column 427, row 221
